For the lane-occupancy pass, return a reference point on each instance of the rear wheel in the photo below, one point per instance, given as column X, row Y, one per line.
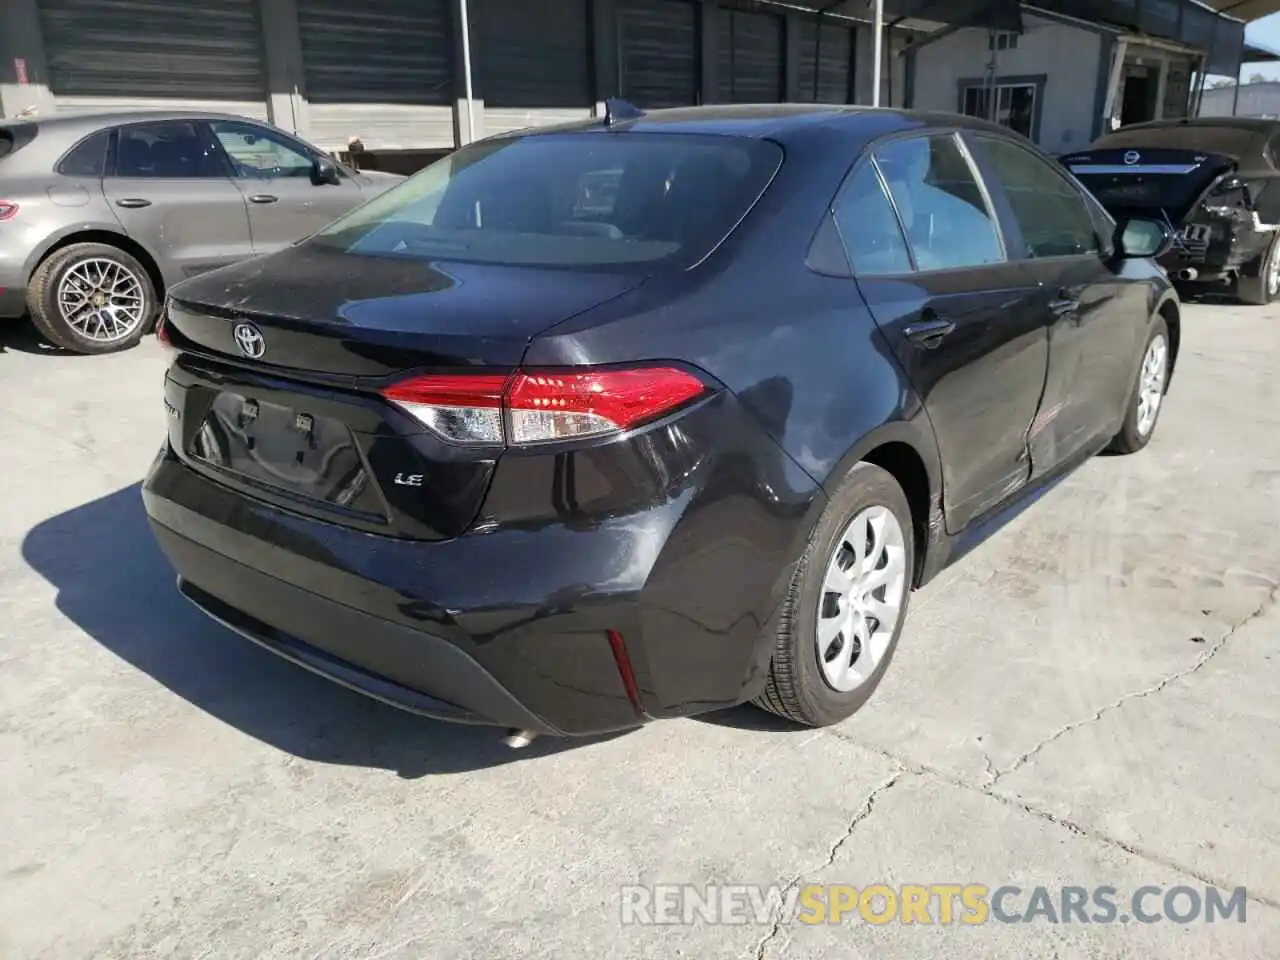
column 1265, row 287
column 92, row 298
column 847, row 603
column 1148, row 394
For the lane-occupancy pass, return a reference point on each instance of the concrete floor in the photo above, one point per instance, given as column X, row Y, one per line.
column 1089, row 699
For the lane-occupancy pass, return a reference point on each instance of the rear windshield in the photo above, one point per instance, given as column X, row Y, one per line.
column 595, row 199
column 1229, row 141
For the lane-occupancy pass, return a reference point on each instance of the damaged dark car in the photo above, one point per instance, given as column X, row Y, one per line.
column 1214, row 181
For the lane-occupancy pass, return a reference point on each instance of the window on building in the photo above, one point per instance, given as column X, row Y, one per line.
column 1011, row 105
column 944, row 211
column 1002, row 40
column 167, row 149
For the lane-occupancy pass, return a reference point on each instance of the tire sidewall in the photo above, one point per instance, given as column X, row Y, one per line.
column 1131, row 439
column 866, row 486
column 66, row 335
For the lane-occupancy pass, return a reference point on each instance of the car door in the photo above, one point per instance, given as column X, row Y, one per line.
column 962, row 320
column 1095, row 318
column 170, row 192
column 277, row 176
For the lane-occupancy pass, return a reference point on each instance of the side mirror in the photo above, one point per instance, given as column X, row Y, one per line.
column 325, row 171
column 1137, row 239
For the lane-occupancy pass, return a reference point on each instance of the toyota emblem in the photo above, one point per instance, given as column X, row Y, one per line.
column 1132, row 157
column 250, row 341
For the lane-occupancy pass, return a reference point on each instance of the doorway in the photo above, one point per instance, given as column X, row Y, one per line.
column 1138, row 103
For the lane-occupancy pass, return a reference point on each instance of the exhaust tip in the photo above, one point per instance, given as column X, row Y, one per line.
column 517, row 739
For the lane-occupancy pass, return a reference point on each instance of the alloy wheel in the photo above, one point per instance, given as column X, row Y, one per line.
column 101, row 299
column 1151, row 383
column 861, row 600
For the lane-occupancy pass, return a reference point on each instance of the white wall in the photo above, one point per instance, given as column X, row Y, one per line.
column 1069, row 56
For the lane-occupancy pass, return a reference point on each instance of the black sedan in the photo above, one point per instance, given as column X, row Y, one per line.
column 649, row 416
column 1214, row 180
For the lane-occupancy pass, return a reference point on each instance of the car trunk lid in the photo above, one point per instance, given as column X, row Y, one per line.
column 275, row 390
column 1162, row 182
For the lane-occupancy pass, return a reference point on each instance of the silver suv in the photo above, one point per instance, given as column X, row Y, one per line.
column 101, row 213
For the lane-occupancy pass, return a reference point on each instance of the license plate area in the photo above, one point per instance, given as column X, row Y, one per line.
column 288, row 449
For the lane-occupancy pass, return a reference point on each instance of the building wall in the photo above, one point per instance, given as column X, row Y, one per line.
column 1256, row 100
column 1067, row 57
column 389, row 72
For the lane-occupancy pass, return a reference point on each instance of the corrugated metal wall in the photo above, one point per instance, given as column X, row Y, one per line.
column 111, row 54
column 830, row 50
column 532, row 62
column 750, row 55
column 380, row 70
column 658, row 52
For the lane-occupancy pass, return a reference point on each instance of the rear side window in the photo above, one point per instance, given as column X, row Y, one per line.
column 567, row 200
column 87, row 158
column 948, row 222
column 1050, row 211
column 869, row 228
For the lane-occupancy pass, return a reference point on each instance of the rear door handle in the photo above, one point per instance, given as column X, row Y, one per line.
column 263, row 198
column 133, row 202
column 929, row 332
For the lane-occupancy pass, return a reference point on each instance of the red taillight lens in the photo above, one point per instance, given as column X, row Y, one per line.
column 534, row 406
column 162, row 333
column 8, row 210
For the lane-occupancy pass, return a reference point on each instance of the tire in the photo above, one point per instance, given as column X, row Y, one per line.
column 798, row 687
column 72, row 271
column 1137, row 430
column 1265, row 287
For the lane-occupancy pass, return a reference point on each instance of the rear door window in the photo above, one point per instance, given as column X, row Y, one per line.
column 1049, row 210
column 167, row 149
column 944, row 210
column 567, row 200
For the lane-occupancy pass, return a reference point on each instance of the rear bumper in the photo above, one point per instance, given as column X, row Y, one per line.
column 512, row 626
column 273, row 614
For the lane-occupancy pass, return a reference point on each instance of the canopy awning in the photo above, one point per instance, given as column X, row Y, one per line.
column 1247, row 10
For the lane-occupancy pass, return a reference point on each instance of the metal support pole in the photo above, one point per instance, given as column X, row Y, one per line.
column 877, row 51
column 1113, row 83
column 466, row 69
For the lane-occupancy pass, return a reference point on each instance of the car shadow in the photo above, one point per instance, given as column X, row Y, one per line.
column 20, row 336
column 116, row 585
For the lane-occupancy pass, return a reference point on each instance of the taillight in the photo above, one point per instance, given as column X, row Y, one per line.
column 536, row 406
column 8, row 210
column 162, row 333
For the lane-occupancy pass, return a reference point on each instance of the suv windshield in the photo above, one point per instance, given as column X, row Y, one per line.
column 596, row 199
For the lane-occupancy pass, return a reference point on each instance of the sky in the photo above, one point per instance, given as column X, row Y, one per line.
column 1266, row 30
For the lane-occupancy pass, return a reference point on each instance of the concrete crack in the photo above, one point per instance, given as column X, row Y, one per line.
column 775, row 927
column 1199, row 664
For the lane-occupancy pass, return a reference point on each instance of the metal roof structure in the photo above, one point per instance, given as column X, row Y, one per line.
column 1247, row 10
column 1215, row 27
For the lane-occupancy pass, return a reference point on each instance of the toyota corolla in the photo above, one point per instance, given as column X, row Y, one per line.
column 651, row 415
